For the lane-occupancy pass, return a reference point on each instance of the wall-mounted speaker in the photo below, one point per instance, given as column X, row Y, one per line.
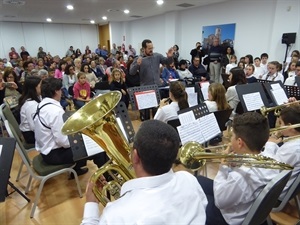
column 288, row 38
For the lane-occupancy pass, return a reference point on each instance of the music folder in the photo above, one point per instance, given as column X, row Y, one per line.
column 276, row 92
column 146, row 99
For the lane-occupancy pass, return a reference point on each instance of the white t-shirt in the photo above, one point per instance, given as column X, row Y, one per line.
column 167, row 112
column 27, row 112
column 211, row 105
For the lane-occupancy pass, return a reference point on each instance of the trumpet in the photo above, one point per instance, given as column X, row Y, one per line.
column 193, row 156
column 265, row 111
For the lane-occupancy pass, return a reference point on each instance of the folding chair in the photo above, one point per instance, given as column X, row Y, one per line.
column 266, row 200
column 38, row 169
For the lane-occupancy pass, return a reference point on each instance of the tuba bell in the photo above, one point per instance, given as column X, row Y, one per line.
column 97, row 120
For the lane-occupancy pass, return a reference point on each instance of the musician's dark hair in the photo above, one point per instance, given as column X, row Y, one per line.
column 238, row 76
column 157, row 145
column 291, row 115
column 49, row 86
column 178, row 91
column 29, row 90
column 252, row 128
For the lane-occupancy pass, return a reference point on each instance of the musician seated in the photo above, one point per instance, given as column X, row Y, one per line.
column 178, row 96
column 234, row 189
column 291, row 81
column 158, row 195
column 216, row 98
column 273, row 72
column 289, row 152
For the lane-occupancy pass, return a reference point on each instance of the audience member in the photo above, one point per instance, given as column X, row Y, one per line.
column 70, row 52
column 90, row 76
column 259, row 70
column 183, row 71
column 264, row 62
column 131, row 51
column 24, row 54
column 232, row 63
column 41, row 53
column 118, row 84
column 226, row 58
column 12, row 86
column 198, row 70
column 60, row 71
column 81, row 91
column 215, row 55
column 13, row 55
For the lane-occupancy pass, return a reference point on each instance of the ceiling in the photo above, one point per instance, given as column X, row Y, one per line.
column 86, row 10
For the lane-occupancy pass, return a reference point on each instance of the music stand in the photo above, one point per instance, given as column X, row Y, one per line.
column 297, row 79
column 6, row 157
column 268, row 89
column 198, row 110
column 252, row 88
column 293, row 91
column 132, row 90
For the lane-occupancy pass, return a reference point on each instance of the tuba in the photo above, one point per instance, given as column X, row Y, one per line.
column 193, row 156
column 97, row 120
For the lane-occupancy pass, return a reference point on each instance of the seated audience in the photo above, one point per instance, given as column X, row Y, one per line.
column 231, row 64
column 259, row 71
column 81, row 91
column 178, row 96
column 96, row 69
column 11, row 86
column 69, row 79
column 198, row 70
column 250, row 133
column 290, row 72
column 291, row 80
column 60, row 71
column 117, row 84
column 90, row 76
column 216, row 98
column 27, row 107
column 169, row 72
column 157, row 195
column 183, row 71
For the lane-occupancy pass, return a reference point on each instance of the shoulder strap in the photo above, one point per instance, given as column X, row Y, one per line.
column 37, row 113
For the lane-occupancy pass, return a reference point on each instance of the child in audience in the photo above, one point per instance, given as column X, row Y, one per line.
column 241, row 65
column 183, row 70
column 216, row 98
column 249, row 74
column 81, row 91
column 264, row 62
column 118, row 84
column 232, row 64
column 290, row 71
column 169, row 72
column 231, row 194
column 289, row 152
column 258, row 71
column 273, row 74
column 291, row 81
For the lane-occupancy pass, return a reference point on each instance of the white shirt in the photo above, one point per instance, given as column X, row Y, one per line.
column 259, row 71
column 27, row 112
column 232, row 97
column 235, row 190
column 167, row 112
column 273, row 77
column 265, row 67
column 211, row 105
column 229, row 67
column 185, row 74
column 52, row 116
column 290, row 81
column 288, row 153
column 170, row 198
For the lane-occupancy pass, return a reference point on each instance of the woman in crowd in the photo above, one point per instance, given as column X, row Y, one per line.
column 226, row 58
column 59, row 72
column 179, row 98
column 11, row 86
column 216, row 98
column 69, row 79
column 40, row 65
column 90, row 76
column 28, row 103
column 290, row 71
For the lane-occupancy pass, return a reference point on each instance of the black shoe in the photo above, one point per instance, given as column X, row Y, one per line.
column 79, row 172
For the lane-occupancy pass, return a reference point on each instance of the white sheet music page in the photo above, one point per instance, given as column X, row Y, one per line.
column 204, row 89
column 190, row 132
column 192, row 99
column 209, row 126
column 279, row 94
column 1, row 149
column 146, row 99
column 186, row 117
column 92, row 148
column 189, row 90
column 253, row 101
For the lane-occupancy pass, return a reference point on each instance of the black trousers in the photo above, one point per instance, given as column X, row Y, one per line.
column 29, row 137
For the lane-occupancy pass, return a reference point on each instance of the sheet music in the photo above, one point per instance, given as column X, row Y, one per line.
column 92, row 148
column 204, row 89
column 190, row 132
column 209, row 126
column 189, row 90
column 1, row 149
column 121, row 127
column 192, row 99
column 279, row 96
column 275, row 86
column 146, row 99
column 186, row 117
column 253, row 101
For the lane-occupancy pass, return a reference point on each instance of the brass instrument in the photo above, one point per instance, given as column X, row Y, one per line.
column 265, row 111
column 97, row 120
column 193, row 156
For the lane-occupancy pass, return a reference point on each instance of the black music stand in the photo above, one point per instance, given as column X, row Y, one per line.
column 252, row 88
column 198, row 110
column 297, row 79
column 6, row 158
column 268, row 88
column 293, row 91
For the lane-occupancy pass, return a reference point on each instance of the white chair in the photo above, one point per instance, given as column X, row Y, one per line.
column 38, row 169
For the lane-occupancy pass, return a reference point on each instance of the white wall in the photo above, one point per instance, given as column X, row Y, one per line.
column 259, row 27
column 54, row 38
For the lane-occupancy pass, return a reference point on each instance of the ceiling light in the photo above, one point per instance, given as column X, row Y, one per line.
column 160, row 2
column 92, row 21
column 104, row 17
column 49, row 20
column 70, row 7
column 126, row 11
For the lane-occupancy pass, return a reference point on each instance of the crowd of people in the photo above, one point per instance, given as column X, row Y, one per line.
column 157, row 195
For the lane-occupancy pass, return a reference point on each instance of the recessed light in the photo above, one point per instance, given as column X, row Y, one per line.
column 126, row 11
column 70, row 7
column 104, row 17
column 49, row 20
column 160, row 2
column 92, row 21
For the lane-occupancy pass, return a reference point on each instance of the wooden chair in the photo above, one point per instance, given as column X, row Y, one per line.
column 38, row 169
column 266, row 200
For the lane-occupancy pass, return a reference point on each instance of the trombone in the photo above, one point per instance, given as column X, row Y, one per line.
column 265, row 111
